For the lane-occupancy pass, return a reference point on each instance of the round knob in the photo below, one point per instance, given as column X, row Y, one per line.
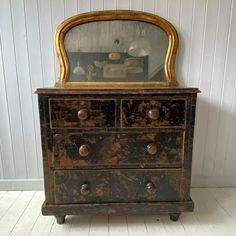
column 84, row 189
column 84, row 150
column 83, row 114
column 152, row 148
column 153, row 114
column 150, row 187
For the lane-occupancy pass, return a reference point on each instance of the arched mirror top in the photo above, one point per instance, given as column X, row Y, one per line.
column 118, row 48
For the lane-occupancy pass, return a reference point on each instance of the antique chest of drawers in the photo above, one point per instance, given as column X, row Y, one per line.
column 117, row 131
column 117, row 151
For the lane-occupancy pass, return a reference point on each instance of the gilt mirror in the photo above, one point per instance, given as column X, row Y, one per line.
column 116, row 49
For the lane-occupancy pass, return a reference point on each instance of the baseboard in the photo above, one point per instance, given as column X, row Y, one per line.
column 21, row 184
column 37, row 184
column 213, row 181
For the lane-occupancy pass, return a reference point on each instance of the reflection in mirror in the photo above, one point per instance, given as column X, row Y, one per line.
column 116, row 51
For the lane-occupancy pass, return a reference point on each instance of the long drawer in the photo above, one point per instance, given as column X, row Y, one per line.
column 88, row 186
column 118, row 150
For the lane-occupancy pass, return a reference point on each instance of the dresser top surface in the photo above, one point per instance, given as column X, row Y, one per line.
column 154, row 91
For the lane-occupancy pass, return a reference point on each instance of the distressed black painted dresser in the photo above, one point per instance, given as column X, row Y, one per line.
column 117, row 131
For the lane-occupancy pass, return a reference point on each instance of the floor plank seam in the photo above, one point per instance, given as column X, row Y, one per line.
column 90, row 222
column 220, row 204
column 144, row 220
column 51, row 227
column 10, row 205
column 69, row 231
column 3, row 195
column 127, row 225
column 30, row 233
column 186, row 233
column 108, row 225
column 22, row 213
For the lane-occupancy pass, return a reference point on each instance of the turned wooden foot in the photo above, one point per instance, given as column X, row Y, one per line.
column 60, row 219
column 174, row 216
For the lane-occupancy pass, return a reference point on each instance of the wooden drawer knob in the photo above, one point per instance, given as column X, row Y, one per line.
column 83, row 114
column 150, row 187
column 152, row 148
column 153, row 114
column 84, row 189
column 84, row 150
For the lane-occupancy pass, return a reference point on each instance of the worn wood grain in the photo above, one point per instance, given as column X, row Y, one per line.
column 117, row 186
column 64, row 113
column 124, row 150
column 145, row 208
column 105, row 91
column 108, row 169
column 138, row 113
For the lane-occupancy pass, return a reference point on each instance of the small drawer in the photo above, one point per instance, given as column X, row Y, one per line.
column 76, row 113
column 115, row 150
column 153, row 113
column 88, row 186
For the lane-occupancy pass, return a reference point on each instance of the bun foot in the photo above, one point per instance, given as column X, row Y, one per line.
column 60, row 219
column 174, row 216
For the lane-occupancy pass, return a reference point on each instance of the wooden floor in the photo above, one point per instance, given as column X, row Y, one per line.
column 215, row 214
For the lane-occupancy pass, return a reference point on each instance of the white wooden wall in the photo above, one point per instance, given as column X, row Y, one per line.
column 206, row 59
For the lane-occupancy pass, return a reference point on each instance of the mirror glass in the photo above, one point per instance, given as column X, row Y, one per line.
column 116, row 51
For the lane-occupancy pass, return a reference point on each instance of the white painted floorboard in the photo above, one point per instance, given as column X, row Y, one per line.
column 214, row 215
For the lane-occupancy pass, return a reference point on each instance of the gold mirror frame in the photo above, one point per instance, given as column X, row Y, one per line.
column 71, row 22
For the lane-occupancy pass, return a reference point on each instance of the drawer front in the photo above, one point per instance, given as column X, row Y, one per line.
column 76, row 113
column 88, row 186
column 133, row 150
column 153, row 113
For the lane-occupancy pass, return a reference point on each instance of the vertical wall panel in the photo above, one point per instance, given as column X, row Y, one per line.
column 3, row 107
column 161, row 8
column 195, row 68
column 225, row 160
column 13, row 97
column 217, row 80
column 46, row 37
column 96, row 5
column 197, row 42
column 35, row 68
column 58, row 15
column 85, row 5
column 206, row 59
column 173, row 15
column 123, row 4
column 174, row 7
column 209, row 51
column 24, row 82
column 71, row 8
column 149, row 6
column 7, row 167
column 136, row 5
column 185, row 37
column 1, row 165
column 110, row 5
